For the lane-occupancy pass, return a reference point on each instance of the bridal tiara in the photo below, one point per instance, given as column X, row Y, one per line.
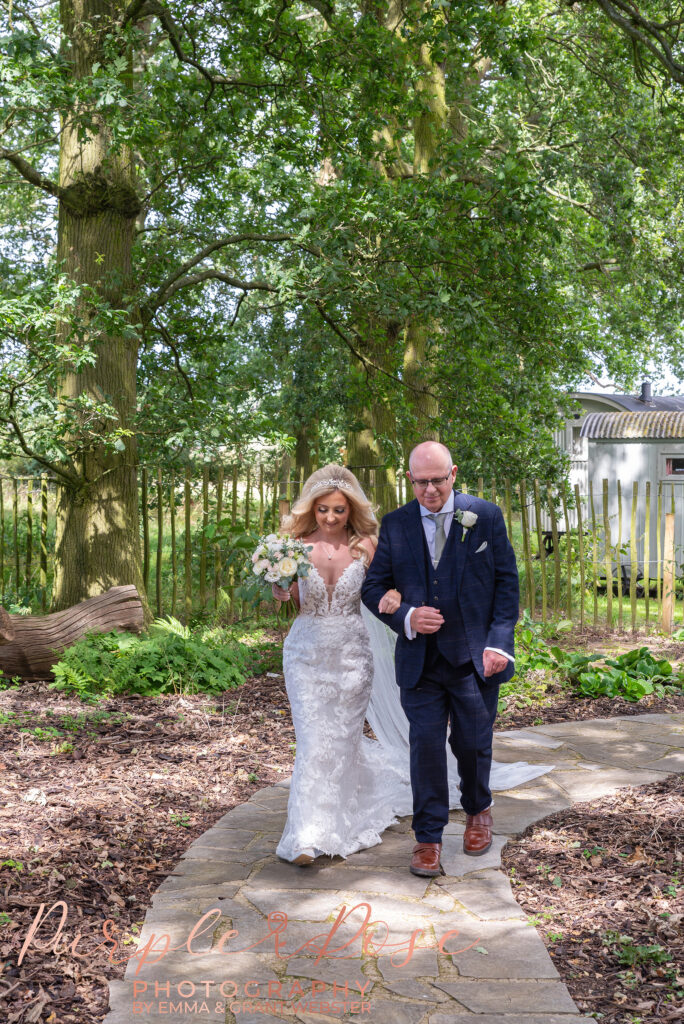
column 332, row 484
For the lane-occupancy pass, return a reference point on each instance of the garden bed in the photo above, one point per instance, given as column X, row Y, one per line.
column 100, row 802
column 602, row 882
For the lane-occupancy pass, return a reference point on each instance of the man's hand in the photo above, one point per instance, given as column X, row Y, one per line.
column 279, row 593
column 426, row 619
column 493, row 663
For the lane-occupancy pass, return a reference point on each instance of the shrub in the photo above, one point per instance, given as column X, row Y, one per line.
column 632, row 675
column 170, row 658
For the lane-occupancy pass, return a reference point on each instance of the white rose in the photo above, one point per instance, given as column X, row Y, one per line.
column 273, row 576
column 468, row 519
column 261, row 566
column 271, row 539
column 287, row 566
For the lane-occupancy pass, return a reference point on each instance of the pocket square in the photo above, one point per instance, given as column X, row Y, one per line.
column 482, row 546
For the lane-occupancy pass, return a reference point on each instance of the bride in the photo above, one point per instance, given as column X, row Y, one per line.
column 343, row 794
column 346, row 789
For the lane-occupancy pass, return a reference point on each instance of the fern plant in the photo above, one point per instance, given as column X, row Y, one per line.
column 167, row 660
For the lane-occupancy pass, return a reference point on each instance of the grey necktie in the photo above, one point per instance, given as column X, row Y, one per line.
column 440, row 535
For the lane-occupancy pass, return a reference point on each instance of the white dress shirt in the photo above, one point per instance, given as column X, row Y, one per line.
column 430, row 528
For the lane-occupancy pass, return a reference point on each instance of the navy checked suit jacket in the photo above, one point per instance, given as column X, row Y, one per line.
column 481, row 581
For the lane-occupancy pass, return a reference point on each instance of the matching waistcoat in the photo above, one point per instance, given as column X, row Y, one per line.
column 456, row 651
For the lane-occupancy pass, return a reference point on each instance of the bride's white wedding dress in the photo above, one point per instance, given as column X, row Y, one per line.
column 343, row 793
column 346, row 789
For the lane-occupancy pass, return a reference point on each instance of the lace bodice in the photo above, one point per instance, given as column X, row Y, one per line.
column 344, row 598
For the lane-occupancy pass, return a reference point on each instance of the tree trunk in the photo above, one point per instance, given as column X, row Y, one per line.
column 306, row 452
column 422, row 404
column 97, row 541
column 426, row 128
column 373, row 463
column 30, row 644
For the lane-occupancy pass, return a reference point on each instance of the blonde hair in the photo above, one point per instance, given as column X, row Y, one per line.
column 361, row 522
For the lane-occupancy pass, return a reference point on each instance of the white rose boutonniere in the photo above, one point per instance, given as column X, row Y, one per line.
column 466, row 519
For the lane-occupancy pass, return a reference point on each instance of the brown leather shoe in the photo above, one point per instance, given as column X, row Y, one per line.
column 477, row 837
column 425, row 860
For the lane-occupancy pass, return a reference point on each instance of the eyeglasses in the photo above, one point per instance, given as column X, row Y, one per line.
column 437, row 482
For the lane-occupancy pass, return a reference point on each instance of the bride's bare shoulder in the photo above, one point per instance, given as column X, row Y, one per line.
column 368, row 544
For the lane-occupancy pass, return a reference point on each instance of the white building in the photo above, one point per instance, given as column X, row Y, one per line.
column 629, row 438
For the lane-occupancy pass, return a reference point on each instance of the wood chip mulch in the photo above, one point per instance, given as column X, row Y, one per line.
column 603, row 882
column 101, row 825
column 99, row 803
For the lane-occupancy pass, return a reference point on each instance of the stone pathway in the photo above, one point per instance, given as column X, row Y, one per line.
column 478, row 960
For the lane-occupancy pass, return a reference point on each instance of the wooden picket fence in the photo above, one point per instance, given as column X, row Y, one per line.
column 568, row 544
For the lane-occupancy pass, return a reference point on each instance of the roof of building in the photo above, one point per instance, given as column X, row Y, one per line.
column 654, row 423
column 636, row 403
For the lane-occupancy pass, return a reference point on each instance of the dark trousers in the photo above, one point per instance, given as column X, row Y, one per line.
column 459, row 698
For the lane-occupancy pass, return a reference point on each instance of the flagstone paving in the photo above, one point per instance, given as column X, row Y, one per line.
column 452, row 950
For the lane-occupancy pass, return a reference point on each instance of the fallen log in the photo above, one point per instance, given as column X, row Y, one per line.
column 30, row 644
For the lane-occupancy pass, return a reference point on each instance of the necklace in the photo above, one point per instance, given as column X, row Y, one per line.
column 324, row 548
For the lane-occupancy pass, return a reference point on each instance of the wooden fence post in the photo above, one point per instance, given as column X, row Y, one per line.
column 29, row 530
column 160, row 548
column 274, row 500
column 619, row 555
column 217, row 546
column 174, row 557
column 43, row 542
column 146, row 532
column 667, row 616
column 248, row 497
column 647, row 551
column 15, row 518
column 187, row 580
column 203, row 542
column 634, row 565
column 608, row 558
column 542, row 551
column 233, row 523
column 529, row 572
column 594, row 553
column 580, row 541
column 568, row 556
column 659, row 550
column 556, row 550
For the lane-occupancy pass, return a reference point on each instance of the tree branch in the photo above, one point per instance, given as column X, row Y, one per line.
column 364, row 360
column 212, row 274
column 326, row 10
column 176, row 357
column 73, row 479
column 602, row 265
column 643, row 31
column 220, row 243
column 29, row 172
column 573, row 202
column 134, row 11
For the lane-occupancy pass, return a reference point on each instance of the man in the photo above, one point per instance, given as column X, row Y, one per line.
column 449, row 556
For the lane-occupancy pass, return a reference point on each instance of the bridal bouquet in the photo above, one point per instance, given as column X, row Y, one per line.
column 280, row 559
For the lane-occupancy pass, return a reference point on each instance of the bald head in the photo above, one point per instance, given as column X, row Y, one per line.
column 432, row 473
column 429, row 455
